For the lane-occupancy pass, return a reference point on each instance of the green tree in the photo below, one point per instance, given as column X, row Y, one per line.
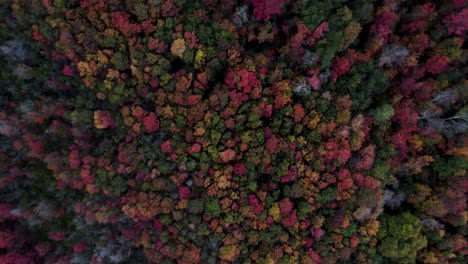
column 400, row 238
column 382, row 113
column 366, row 84
column 212, row 207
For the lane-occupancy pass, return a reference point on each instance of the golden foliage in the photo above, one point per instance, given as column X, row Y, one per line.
column 229, row 253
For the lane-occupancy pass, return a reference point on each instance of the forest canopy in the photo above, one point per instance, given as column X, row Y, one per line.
column 254, row 131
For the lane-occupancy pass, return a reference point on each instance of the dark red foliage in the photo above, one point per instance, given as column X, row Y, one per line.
column 57, row 235
column 255, row 205
column 345, row 184
column 302, row 34
column 151, row 122
column 184, row 192
column 74, row 159
column 425, row 90
column 16, row 258
column 399, row 140
column 157, row 45
column 383, row 26
column 67, row 71
column 80, row 247
column 147, row 27
column 37, row 36
column 367, row 158
column 320, row 31
column 419, row 43
column 290, row 220
column 406, row 116
column 92, row 4
column 239, row 169
column 166, row 147
column 169, row 9
column 340, row 66
column 338, row 151
column 195, row 148
column 437, row 64
column 6, row 239
column 457, row 23
column 121, row 21
column 266, row 110
column 272, row 144
column 264, row 9
column 343, row 174
column 316, row 232
column 191, row 40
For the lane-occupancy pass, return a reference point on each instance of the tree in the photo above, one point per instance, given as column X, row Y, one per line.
column 241, row 16
column 212, row 207
column 449, row 126
column 302, row 88
column 392, row 199
column 457, row 23
column 365, row 83
column 103, row 119
column 264, row 9
column 151, row 122
column 400, row 238
column 393, row 55
column 437, row 64
column 382, row 114
column 445, row 98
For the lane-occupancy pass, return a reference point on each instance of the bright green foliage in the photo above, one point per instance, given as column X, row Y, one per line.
column 212, row 207
column 401, row 238
column 383, row 113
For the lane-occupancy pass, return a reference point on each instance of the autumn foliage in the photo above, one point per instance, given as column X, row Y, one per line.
column 260, row 131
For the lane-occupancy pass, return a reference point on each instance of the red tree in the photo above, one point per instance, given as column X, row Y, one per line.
column 264, row 9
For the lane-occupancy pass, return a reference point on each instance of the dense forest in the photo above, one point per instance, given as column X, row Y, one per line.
column 229, row 131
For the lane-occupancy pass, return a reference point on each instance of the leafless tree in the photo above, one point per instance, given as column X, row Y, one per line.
column 310, row 58
column 392, row 199
column 445, row 98
column 324, row 76
column 15, row 50
column 302, row 88
column 432, row 224
column 449, row 126
column 241, row 16
column 393, row 55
